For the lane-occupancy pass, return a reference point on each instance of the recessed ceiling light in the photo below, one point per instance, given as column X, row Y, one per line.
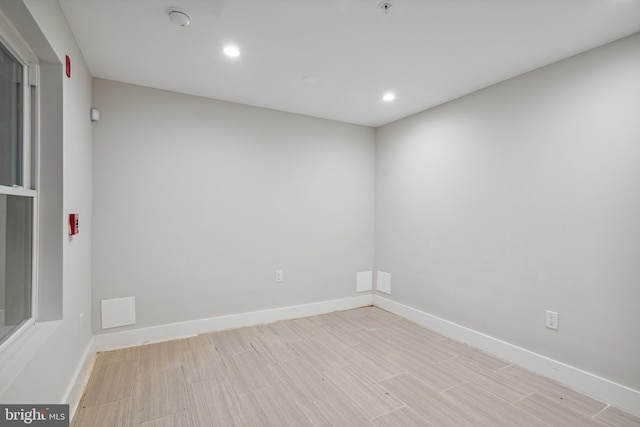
column 389, row 96
column 232, row 51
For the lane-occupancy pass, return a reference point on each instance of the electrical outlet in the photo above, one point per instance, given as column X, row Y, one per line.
column 551, row 319
column 279, row 276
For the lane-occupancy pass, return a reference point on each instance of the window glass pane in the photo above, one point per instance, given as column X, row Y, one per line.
column 15, row 262
column 10, row 119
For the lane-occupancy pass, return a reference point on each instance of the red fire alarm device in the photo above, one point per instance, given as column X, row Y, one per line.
column 74, row 223
column 68, row 65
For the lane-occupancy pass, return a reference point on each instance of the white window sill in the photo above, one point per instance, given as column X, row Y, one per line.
column 17, row 353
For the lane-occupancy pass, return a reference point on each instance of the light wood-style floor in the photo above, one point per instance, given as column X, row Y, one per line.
column 363, row 367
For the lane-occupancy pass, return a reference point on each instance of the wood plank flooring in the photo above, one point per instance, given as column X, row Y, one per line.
column 362, row 367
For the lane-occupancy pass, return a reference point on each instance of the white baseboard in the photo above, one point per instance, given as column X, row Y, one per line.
column 602, row 389
column 171, row 331
column 80, row 378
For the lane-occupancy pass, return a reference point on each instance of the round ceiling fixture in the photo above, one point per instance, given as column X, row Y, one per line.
column 178, row 17
column 385, row 6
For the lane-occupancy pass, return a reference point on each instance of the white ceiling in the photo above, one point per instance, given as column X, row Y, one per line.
column 426, row 51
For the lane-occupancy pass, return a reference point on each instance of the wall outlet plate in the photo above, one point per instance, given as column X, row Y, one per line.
column 551, row 319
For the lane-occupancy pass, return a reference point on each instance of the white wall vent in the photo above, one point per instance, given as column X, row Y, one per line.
column 118, row 312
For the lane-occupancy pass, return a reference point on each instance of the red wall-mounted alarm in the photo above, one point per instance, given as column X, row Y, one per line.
column 74, row 224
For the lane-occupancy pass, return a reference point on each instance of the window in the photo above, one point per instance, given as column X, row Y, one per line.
column 17, row 194
column 15, row 262
column 11, row 92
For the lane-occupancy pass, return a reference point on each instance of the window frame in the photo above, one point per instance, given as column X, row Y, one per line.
column 13, row 42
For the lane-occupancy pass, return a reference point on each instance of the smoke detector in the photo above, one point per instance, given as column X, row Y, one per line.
column 385, row 6
column 178, row 17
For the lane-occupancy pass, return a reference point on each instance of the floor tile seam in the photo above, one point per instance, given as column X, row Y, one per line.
column 545, row 393
column 404, row 405
column 563, row 405
column 601, row 411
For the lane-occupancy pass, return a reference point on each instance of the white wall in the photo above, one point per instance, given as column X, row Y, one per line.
column 523, row 197
column 198, row 201
column 46, row 377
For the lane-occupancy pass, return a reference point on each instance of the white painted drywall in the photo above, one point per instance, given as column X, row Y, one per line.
column 523, row 197
column 47, row 376
column 197, row 202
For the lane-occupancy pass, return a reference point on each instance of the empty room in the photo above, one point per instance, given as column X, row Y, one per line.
column 320, row 213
